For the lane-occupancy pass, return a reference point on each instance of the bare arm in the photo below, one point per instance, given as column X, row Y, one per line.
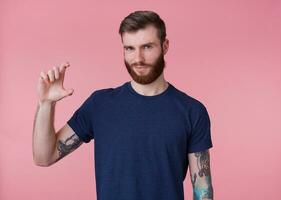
column 46, row 142
column 200, row 174
column 44, row 138
column 66, row 142
column 48, row 146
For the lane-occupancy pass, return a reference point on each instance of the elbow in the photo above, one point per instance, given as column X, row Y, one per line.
column 41, row 163
column 40, row 160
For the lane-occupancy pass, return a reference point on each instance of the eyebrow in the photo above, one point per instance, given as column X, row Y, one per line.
column 149, row 43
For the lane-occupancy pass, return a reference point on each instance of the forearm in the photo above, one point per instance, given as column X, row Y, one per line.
column 44, row 138
column 203, row 189
column 203, row 193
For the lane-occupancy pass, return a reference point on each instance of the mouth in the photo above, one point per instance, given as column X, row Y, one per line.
column 141, row 68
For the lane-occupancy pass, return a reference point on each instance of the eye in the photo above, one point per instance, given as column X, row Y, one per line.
column 128, row 48
column 147, row 46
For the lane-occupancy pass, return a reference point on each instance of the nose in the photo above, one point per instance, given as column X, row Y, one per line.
column 139, row 57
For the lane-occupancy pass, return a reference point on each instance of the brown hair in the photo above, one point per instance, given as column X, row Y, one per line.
column 140, row 19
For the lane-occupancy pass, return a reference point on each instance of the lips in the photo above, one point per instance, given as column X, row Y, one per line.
column 141, row 67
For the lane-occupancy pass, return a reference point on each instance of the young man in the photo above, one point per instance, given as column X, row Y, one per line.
column 146, row 131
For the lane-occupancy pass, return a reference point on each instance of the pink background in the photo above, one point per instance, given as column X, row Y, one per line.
column 226, row 54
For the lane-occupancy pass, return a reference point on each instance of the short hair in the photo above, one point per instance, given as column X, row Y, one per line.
column 140, row 19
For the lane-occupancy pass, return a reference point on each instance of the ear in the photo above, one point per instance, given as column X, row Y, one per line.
column 165, row 46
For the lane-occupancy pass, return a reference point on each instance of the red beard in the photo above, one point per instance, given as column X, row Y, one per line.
column 155, row 70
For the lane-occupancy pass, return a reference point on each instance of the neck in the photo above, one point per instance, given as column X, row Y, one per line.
column 156, row 87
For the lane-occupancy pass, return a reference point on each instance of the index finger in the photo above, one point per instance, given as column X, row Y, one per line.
column 64, row 66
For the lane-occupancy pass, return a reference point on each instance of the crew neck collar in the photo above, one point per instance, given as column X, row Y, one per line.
column 162, row 94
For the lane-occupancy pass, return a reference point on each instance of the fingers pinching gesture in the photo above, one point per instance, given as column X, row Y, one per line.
column 50, row 86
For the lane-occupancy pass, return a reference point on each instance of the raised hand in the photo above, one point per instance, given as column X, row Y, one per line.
column 50, row 85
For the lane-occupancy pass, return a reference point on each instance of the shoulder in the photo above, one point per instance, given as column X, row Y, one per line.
column 105, row 94
column 190, row 103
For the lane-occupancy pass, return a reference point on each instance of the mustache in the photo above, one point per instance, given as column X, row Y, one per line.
column 140, row 64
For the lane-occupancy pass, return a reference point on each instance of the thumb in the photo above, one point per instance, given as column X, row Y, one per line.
column 68, row 92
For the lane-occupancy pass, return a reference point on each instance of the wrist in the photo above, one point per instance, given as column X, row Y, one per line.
column 46, row 103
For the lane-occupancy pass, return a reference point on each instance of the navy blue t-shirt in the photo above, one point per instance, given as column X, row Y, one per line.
column 141, row 143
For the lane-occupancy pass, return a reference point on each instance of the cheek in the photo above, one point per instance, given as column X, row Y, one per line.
column 150, row 57
column 128, row 58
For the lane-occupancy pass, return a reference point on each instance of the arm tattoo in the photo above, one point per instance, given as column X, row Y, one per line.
column 203, row 160
column 69, row 145
column 203, row 164
column 203, row 193
column 193, row 179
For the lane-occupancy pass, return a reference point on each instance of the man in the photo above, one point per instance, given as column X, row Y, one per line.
column 146, row 131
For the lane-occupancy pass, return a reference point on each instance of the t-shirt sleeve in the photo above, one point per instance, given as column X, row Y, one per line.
column 200, row 138
column 82, row 119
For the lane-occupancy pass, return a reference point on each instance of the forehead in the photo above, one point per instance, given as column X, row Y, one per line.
column 141, row 36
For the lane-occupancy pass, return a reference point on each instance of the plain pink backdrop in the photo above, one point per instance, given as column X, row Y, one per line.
column 226, row 54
